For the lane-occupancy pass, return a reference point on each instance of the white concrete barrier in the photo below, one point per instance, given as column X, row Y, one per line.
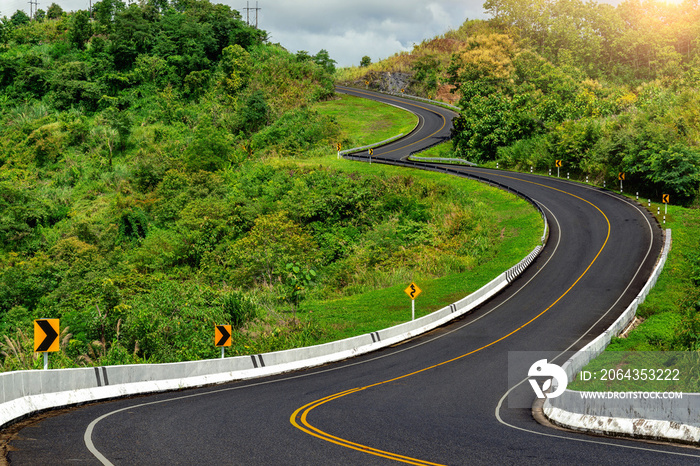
column 634, row 415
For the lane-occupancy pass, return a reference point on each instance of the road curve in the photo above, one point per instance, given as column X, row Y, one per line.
column 434, row 124
column 438, row 399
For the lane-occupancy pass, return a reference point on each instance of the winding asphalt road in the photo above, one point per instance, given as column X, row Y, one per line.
column 449, row 397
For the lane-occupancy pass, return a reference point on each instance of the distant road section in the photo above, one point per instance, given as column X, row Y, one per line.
column 434, row 124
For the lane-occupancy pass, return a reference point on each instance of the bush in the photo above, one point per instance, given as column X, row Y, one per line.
column 239, row 308
column 210, row 148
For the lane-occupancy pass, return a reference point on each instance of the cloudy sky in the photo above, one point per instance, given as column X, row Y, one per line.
column 347, row 29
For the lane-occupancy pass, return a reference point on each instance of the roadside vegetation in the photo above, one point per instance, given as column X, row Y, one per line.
column 605, row 89
column 164, row 168
column 362, row 121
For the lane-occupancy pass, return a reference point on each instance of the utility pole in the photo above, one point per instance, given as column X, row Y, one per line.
column 35, row 4
column 247, row 9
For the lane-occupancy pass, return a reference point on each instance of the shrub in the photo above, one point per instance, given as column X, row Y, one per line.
column 239, row 308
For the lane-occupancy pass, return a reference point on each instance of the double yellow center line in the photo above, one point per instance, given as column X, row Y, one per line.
column 299, row 418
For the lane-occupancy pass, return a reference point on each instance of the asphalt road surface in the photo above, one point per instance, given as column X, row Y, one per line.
column 443, row 398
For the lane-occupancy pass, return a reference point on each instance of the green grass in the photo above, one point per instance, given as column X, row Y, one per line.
column 364, row 121
column 521, row 230
column 442, row 151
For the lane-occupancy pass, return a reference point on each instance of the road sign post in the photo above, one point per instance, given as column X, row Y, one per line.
column 370, row 151
column 222, row 337
column 621, row 176
column 665, row 198
column 413, row 291
column 46, row 341
column 558, row 164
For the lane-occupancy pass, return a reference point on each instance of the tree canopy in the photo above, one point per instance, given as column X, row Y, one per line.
column 605, row 89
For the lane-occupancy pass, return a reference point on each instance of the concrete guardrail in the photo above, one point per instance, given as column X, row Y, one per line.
column 654, row 418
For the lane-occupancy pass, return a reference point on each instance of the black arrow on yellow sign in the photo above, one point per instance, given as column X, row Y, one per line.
column 222, row 335
column 46, row 335
column 665, row 198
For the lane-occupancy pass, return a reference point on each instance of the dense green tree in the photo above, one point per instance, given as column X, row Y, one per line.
column 54, row 11
column 19, row 18
column 210, row 148
column 104, row 13
column 236, row 66
column 80, row 29
column 303, row 55
column 132, row 34
column 324, row 60
column 256, row 113
column 139, row 126
column 4, row 29
column 365, row 61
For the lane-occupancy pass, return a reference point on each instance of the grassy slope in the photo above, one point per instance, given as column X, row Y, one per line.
column 364, row 121
column 367, row 312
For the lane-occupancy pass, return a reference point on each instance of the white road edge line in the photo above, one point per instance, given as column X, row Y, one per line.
column 87, row 437
column 500, row 402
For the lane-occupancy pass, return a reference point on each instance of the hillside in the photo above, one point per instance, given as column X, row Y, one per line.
column 604, row 89
column 162, row 170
